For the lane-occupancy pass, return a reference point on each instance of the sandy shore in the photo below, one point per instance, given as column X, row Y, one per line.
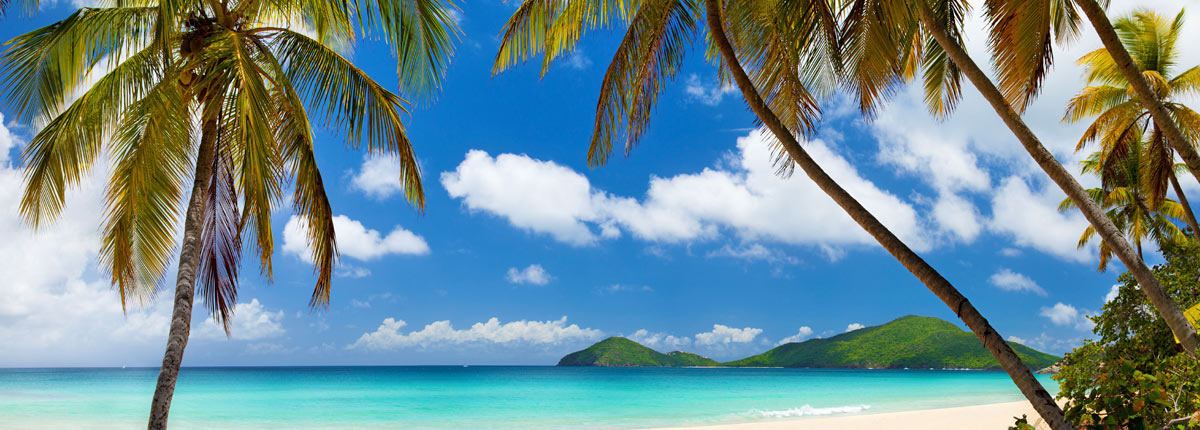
column 997, row 416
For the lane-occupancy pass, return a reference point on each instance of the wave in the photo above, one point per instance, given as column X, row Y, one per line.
column 808, row 410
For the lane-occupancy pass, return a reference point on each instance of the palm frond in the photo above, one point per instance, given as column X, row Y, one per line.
column 346, row 95
column 1021, row 37
column 39, row 70
column 421, row 34
column 152, row 150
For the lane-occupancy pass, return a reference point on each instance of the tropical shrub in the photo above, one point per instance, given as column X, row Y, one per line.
column 1134, row 375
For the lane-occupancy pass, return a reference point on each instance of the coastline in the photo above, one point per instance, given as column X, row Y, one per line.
column 990, row 416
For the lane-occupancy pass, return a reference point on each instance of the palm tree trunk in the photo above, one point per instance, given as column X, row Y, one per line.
column 1189, row 216
column 1133, row 74
column 189, row 258
column 1166, row 307
column 1017, row 370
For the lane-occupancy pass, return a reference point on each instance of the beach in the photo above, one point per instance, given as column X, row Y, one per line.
column 993, row 416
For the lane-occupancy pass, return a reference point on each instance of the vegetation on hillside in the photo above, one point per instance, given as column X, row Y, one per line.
column 622, row 352
column 910, row 341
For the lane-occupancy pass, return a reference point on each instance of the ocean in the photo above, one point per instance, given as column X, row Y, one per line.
column 480, row 397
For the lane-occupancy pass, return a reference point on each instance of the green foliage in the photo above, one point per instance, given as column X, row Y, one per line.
column 1022, row 423
column 910, row 341
column 622, row 352
column 1135, row 375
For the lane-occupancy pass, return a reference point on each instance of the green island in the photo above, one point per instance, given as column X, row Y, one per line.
column 906, row 342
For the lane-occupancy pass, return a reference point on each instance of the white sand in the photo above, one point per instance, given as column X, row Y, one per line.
column 997, row 416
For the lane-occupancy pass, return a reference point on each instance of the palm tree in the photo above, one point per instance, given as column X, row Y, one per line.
column 1121, row 118
column 218, row 91
column 794, row 48
column 1126, row 203
column 1114, row 40
column 887, row 35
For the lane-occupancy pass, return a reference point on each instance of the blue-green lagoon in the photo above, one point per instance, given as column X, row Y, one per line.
column 480, row 397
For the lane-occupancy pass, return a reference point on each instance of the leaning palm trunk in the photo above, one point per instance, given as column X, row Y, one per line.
column 185, row 292
column 1017, row 370
column 1121, row 57
column 1166, row 307
column 1189, row 216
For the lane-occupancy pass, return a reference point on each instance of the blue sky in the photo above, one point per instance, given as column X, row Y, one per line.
column 691, row 242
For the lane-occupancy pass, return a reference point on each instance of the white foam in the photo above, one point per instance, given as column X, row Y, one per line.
column 808, row 410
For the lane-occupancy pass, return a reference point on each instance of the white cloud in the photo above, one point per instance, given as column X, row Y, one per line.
column 1065, row 315
column 535, row 195
column 853, row 327
column 1032, row 219
column 251, row 321
column 708, row 94
column 800, row 335
column 354, row 240
column 661, row 341
column 389, row 336
column 1010, row 252
column 1009, row 280
column 578, row 60
column 722, row 334
column 745, row 198
column 1113, row 293
column 379, row 177
column 622, row 288
column 1015, row 339
column 353, row 272
column 534, row 274
column 754, row 252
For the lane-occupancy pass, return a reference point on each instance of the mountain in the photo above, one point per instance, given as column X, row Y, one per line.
column 910, row 341
column 622, row 352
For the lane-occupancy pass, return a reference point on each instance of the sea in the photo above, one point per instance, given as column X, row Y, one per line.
column 481, row 397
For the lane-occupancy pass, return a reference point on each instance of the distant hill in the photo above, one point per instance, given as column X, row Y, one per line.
column 622, row 352
column 910, row 341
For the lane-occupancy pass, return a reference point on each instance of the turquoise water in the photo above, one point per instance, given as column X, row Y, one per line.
column 480, row 397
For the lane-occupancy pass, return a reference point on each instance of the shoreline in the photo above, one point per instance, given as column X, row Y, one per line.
column 990, row 416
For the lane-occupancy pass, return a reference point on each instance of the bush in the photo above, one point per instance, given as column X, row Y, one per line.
column 1134, row 376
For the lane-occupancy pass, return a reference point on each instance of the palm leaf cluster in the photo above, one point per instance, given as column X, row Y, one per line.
column 1135, row 163
column 218, row 92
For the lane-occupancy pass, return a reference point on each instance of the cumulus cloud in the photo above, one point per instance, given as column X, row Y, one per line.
column 578, row 60
column 722, row 334
column 1112, row 293
column 389, row 335
column 853, row 327
column 707, row 94
column 1032, row 219
column 744, row 198
column 804, row 333
column 1015, row 339
column 354, row 240
column 661, row 341
column 379, row 177
column 1009, row 280
column 534, row 274
column 1065, row 315
column 251, row 321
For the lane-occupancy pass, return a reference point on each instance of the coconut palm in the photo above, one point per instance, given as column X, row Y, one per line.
column 1126, row 202
column 1120, row 117
column 795, row 56
column 1144, row 85
column 889, row 35
column 218, row 93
